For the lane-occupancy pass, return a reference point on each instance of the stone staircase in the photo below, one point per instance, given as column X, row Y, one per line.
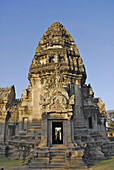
column 53, row 158
column 28, row 136
column 80, row 132
column 60, row 158
column 96, row 148
column 96, row 136
column 57, row 158
column 19, row 147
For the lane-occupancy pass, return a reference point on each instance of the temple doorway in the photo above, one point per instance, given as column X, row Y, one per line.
column 57, row 132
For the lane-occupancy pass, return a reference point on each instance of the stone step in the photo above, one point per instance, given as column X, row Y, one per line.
column 79, row 124
column 22, row 133
column 35, row 128
column 37, row 164
column 57, row 161
column 58, row 157
column 59, row 165
column 96, row 136
column 83, row 138
column 57, row 154
column 58, row 151
column 80, row 129
column 41, row 160
column 42, row 164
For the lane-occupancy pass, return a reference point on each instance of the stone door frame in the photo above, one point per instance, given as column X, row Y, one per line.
column 65, row 131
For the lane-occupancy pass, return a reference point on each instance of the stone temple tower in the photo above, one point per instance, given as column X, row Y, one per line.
column 58, row 123
column 56, row 76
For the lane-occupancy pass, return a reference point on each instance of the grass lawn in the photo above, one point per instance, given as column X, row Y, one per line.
column 4, row 163
column 100, row 165
column 104, row 165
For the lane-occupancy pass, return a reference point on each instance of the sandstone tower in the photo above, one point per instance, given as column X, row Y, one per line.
column 58, row 123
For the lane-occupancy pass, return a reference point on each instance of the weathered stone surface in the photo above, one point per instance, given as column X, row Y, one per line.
column 57, row 123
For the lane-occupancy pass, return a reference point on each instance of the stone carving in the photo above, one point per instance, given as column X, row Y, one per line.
column 57, row 123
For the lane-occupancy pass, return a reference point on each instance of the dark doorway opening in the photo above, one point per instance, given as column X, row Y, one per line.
column 90, row 123
column 57, row 132
column 25, row 123
column 11, row 130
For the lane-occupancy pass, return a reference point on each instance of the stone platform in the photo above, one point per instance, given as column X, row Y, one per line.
column 57, row 158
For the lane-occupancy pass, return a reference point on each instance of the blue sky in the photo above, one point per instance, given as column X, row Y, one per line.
column 90, row 23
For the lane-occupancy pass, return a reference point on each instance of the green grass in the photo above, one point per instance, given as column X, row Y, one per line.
column 104, row 165
column 100, row 165
column 4, row 163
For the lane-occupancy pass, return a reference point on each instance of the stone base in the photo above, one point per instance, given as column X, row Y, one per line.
column 2, row 149
column 108, row 148
column 57, row 157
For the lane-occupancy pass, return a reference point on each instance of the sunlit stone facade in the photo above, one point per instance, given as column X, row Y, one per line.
column 57, row 123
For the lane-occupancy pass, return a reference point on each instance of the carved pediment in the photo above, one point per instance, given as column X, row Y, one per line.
column 56, row 101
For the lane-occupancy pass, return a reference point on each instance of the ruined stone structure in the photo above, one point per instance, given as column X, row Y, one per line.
column 110, row 124
column 58, row 123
